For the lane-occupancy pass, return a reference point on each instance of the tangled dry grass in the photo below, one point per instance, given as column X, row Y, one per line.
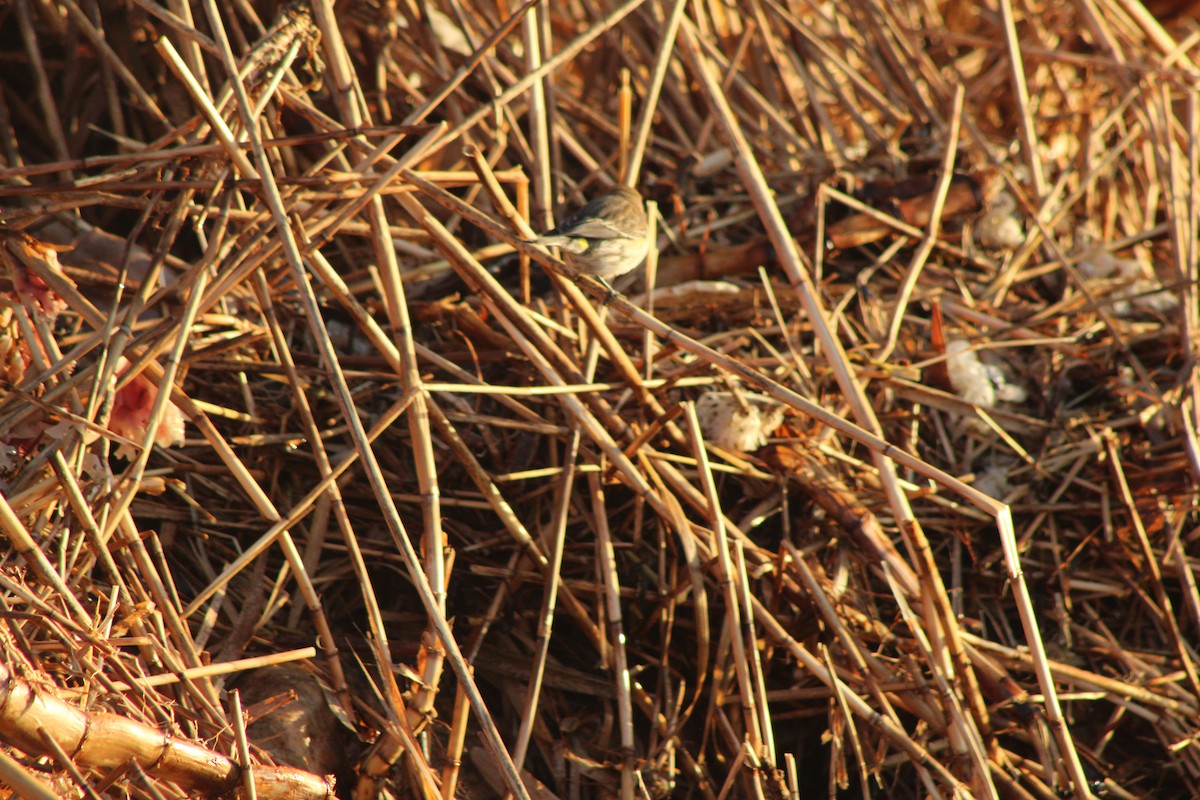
column 303, row 445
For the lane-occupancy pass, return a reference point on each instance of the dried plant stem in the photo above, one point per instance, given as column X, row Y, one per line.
column 99, row 739
column 557, row 537
column 607, row 565
column 727, row 576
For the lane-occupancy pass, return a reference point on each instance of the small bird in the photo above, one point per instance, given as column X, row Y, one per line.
column 607, row 237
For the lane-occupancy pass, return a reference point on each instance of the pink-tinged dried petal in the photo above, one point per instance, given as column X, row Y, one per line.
column 131, row 415
column 18, row 251
column 14, row 353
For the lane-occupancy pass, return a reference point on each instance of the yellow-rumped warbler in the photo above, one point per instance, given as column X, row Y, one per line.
column 607, row 237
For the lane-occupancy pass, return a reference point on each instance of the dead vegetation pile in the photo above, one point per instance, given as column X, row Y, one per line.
column 880, row 480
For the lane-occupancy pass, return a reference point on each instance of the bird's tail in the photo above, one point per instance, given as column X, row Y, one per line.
column 556, row 240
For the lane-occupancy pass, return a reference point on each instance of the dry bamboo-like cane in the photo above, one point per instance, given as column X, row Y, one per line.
column 99, row 740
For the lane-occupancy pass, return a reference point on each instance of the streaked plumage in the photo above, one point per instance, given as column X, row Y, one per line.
column 605, row 238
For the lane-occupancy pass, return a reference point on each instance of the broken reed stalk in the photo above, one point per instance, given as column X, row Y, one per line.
column 100, row 740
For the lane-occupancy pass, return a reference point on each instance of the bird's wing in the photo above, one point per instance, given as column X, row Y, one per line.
column 595, row 229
